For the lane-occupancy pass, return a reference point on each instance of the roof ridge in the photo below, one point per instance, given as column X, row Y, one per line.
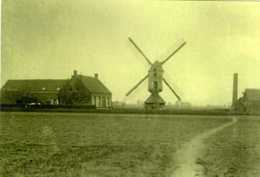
column 93, row 84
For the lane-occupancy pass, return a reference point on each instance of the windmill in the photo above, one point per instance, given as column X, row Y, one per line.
column 155, row 79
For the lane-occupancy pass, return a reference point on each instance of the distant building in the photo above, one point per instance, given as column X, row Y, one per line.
column 79, row 90
column 182, row 105
column 118, row 104
column 250, row 101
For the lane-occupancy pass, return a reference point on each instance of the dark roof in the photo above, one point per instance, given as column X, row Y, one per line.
column 35, row 84
column 252, row 94
column 94, row 85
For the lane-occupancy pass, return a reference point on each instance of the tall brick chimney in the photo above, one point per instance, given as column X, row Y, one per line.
column 75, row 73
column 235, row 89
column 96, row 75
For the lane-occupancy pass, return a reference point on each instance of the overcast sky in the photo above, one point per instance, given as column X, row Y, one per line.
column 48, row 39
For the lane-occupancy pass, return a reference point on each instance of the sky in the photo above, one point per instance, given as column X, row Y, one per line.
column 48, row 39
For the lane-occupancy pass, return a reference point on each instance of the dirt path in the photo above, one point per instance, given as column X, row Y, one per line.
column 188, row 158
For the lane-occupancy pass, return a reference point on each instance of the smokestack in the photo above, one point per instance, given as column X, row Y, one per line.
column 96, row 75
column 75, row 73
column 235, row 89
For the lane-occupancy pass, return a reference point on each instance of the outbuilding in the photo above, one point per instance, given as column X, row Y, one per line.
column 250, row 101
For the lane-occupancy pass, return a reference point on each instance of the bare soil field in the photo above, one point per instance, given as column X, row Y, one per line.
column 235, row 151
column 97, row 145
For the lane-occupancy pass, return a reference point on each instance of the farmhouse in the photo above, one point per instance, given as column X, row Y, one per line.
column 79, row 90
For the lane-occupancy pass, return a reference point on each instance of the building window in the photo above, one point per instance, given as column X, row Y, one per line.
column 108, row 102
column 92, row 100
column 104, row 101
column 100, row 101
column 96, row 101
column 56, row 101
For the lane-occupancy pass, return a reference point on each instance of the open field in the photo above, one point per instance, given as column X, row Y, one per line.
column 235, row 151
column 78, row 144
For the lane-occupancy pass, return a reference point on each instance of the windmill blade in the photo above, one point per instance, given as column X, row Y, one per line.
column 177, row 96
column 142, row 53
column 174, row 52
column 139, row 83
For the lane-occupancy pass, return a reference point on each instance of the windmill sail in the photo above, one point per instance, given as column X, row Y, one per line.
column 139, row 83
column 174, row 52
column 173, row 91
column 142, row 53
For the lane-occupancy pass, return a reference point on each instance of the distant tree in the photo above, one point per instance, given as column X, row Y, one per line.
column 73, row 92
column 240, row 105
column 25, row 96
column 65, row 94
column 80, row 95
